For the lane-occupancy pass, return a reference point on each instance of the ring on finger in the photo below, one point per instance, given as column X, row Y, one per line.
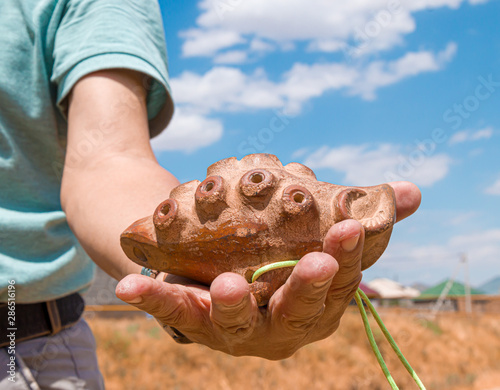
column 152, row 273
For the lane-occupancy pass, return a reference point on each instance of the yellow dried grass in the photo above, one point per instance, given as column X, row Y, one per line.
column 452, row 353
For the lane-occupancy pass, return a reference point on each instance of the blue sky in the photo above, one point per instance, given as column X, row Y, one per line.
column 363, row 92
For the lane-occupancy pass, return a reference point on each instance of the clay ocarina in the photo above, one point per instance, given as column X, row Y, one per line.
column 250, row 213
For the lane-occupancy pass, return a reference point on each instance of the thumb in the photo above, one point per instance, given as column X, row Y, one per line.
column 171, row 304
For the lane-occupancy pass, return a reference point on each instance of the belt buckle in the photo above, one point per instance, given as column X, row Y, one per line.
column 54, row 316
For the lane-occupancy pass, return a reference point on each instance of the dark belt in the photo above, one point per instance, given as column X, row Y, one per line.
column 39, row 319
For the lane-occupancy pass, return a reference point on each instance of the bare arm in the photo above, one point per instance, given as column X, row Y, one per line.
column 111, row 177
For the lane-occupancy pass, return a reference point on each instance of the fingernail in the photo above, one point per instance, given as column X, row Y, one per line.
column 135, row 300
column 321, row 284
column 350, row 244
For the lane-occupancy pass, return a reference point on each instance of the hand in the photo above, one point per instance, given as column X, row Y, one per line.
column 307, row 308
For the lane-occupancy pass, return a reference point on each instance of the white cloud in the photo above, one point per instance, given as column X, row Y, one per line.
column 432, row 170
column 476, row 152
column 304, row 82
column 208, row 42
column 368, row 25
column 260, row 45
column 380, row 73
column 482, row 134
column 300, row 153
column 326, row 45
column 459, row 137
column 468, row 135
column 494, row 189
column 188, row 132
column 462, row 218
column 231, row 57
column 229, row 89
column 225, row 89
column 374, row 164
column 238, row 31
column 475, row 240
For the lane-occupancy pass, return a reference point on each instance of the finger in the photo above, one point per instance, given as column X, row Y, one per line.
column 234, row 309
column 298, row 305
column 171, row 304
column 344, row 241
column 408, row 198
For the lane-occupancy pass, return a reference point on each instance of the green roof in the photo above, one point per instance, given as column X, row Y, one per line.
column 457, row 289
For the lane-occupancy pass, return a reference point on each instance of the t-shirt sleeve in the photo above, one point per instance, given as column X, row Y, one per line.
column 95, row 35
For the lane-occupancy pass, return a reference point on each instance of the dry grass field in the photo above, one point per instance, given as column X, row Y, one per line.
column 450, row 353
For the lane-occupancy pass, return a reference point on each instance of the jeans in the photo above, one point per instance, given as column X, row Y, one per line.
column 65, row 361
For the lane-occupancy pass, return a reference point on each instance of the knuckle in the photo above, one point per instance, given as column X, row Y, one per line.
column 298, row 326
column 228, row 317
column 173, row 317
column 313, row 298
column 233, row 322
column 232, row 337
column 172, row 312
column 234, row 327
column 301, row 323
column 350, row 268
column 344, row 291
column 231, row 311
column 241, row 331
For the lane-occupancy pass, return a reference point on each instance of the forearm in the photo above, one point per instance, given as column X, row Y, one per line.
column 114, row 180
column 111, row 195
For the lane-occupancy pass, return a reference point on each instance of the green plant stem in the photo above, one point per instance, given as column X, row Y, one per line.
column 270, row 267
column 391, row 340
column 373, row 343
column 359, row 297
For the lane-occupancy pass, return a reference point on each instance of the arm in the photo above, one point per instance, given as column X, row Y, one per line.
column 111, row 176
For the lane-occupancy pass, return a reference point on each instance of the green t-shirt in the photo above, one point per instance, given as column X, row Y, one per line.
column 46, row 46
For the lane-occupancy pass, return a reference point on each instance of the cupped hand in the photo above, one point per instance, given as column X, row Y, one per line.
column 307, row 308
